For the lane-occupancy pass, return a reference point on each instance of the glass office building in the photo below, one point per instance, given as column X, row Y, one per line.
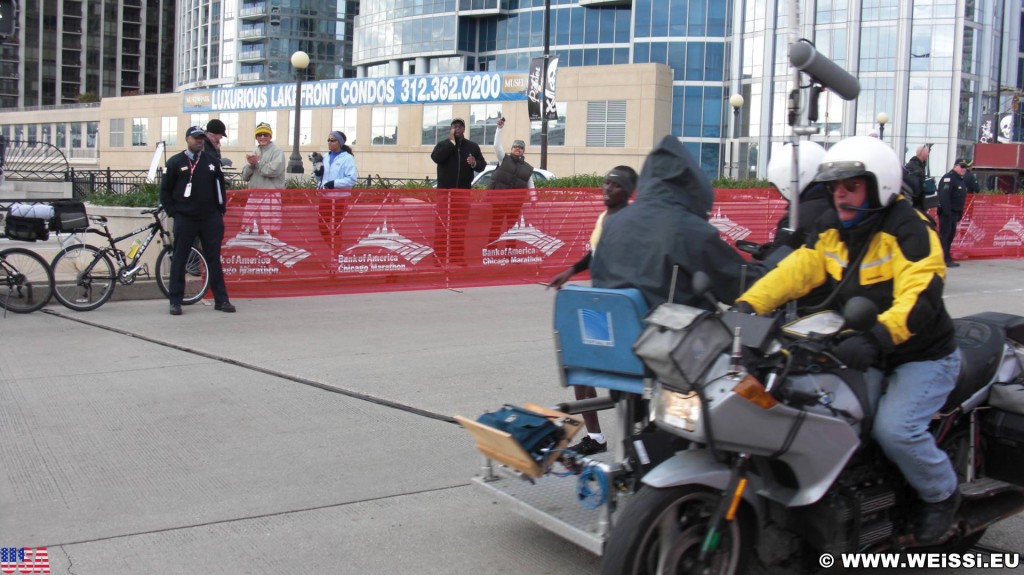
column 934, row 67
column 223, row 42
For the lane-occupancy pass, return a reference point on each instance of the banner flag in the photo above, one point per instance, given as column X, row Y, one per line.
column 533, row 91
column 550, row 109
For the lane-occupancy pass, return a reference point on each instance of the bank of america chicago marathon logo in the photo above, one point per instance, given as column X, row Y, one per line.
column 24, row 560
column 270, row 248
column 728, row 229
column 398, row 252
column 539, row 245
column 1011, row 234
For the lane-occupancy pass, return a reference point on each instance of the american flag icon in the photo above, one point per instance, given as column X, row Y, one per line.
column 24, row 560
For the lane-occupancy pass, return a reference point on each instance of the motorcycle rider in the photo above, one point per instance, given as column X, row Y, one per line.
column 667, row 226
column 899, row 265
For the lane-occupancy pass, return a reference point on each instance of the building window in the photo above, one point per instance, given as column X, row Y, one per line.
column 230, row 120
column 384, row 126
column 606, row 124
column 556, row 128
column 92, row 134
column 199, row 120
column 169, row 131
column 483, row 122
column 140, row 131
column 76, row 135
column 344, row 120
column 305, row 128
column 116, row 133
column 437, row 120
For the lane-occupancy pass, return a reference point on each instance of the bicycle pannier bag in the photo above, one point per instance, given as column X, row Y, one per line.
column 25, row 229
column 680, row 343
column 531, row 430
column 69, row 216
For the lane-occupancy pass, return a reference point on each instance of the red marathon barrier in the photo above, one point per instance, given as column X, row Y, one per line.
column 295, row 242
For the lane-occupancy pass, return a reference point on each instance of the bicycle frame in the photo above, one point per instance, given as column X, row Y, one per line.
column 127, row 269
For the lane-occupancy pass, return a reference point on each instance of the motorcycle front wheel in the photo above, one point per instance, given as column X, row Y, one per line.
column 660, row 531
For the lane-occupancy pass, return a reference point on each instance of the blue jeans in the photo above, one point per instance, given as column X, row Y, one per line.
column 916, row 391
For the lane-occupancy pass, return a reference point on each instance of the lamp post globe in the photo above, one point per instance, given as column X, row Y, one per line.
column 882, row 119
column 300, row 61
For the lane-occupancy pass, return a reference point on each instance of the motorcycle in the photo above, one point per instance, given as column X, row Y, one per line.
column 780, row 467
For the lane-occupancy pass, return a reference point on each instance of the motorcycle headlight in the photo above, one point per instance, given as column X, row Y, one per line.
column 677, row 409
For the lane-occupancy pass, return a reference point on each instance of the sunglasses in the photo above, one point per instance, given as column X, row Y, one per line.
column 262, row 135
column 850, row 184
column 331, row 140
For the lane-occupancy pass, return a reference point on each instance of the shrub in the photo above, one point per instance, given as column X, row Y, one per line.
column 142, row 196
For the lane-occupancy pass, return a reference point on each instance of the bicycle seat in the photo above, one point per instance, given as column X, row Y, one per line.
column 98, row 219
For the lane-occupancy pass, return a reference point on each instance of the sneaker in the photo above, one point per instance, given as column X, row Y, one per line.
column 935, row 519
column 588, row 446
column 175, row 309
column 952, row 264
column 224, row 306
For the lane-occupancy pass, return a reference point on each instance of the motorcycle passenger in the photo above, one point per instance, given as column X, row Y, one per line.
column 667, row 226
column 898, row 264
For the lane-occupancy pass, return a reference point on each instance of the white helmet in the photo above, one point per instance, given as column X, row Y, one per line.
column 780, row 167
column 865, row 156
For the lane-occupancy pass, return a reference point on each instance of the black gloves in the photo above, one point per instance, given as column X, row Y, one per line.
column 329, row 185
column 858, row 352
column 744, row 307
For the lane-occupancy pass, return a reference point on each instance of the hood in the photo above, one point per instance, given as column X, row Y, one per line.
column 672, row 177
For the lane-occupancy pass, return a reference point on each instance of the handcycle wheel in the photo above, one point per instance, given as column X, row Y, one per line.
column 83, row 277
column 26, row 281
column 197, row 276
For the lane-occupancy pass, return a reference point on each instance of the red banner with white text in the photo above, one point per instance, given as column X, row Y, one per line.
column 298, row 242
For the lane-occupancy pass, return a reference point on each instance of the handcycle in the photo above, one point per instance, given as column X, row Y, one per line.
column 26, row 281
column 84, row 275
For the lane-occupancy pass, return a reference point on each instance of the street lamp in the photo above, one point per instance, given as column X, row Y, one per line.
column 883, row 119
column 736, row 101
column 300, row 60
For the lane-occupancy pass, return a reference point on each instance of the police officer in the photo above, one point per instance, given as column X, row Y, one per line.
column 952, row 194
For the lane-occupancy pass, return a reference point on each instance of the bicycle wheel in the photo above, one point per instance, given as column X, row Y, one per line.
column 83, row 277
column 197, row 277
column 26, row 282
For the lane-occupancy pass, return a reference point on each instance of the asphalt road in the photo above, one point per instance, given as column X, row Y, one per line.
column 299, row 435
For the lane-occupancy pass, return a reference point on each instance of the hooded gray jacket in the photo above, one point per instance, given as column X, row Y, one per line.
column 666, row 226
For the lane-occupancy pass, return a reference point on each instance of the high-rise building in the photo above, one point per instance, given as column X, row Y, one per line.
column 66, row 48
column 251, row 42
column 934, row 68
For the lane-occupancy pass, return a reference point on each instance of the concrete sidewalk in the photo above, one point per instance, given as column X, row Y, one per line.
column 305, row 435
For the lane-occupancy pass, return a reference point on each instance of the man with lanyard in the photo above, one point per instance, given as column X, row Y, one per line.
column 193, row 193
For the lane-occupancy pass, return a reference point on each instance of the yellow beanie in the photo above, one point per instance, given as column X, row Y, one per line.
column 263, row 128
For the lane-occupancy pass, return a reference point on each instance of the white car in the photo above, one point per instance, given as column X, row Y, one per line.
column 483, row 179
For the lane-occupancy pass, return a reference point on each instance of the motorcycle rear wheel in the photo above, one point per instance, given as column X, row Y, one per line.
column 661, row 531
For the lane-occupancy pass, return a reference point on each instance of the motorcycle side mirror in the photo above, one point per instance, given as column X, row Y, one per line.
column 860, row 314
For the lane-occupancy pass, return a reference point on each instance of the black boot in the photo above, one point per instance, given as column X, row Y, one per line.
column 935, row 519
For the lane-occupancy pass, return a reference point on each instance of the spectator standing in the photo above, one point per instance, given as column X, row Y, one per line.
column 971, row 180
column 513, row 173
column 619, row 185
column 193, row 192
column 457, row 159
column 335, row 186
column 952, row 196
column 264, row 170
column 215, row 131
column 915, row 173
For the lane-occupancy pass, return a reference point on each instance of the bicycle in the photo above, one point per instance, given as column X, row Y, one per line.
column 84, row 277
column 26, row 281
